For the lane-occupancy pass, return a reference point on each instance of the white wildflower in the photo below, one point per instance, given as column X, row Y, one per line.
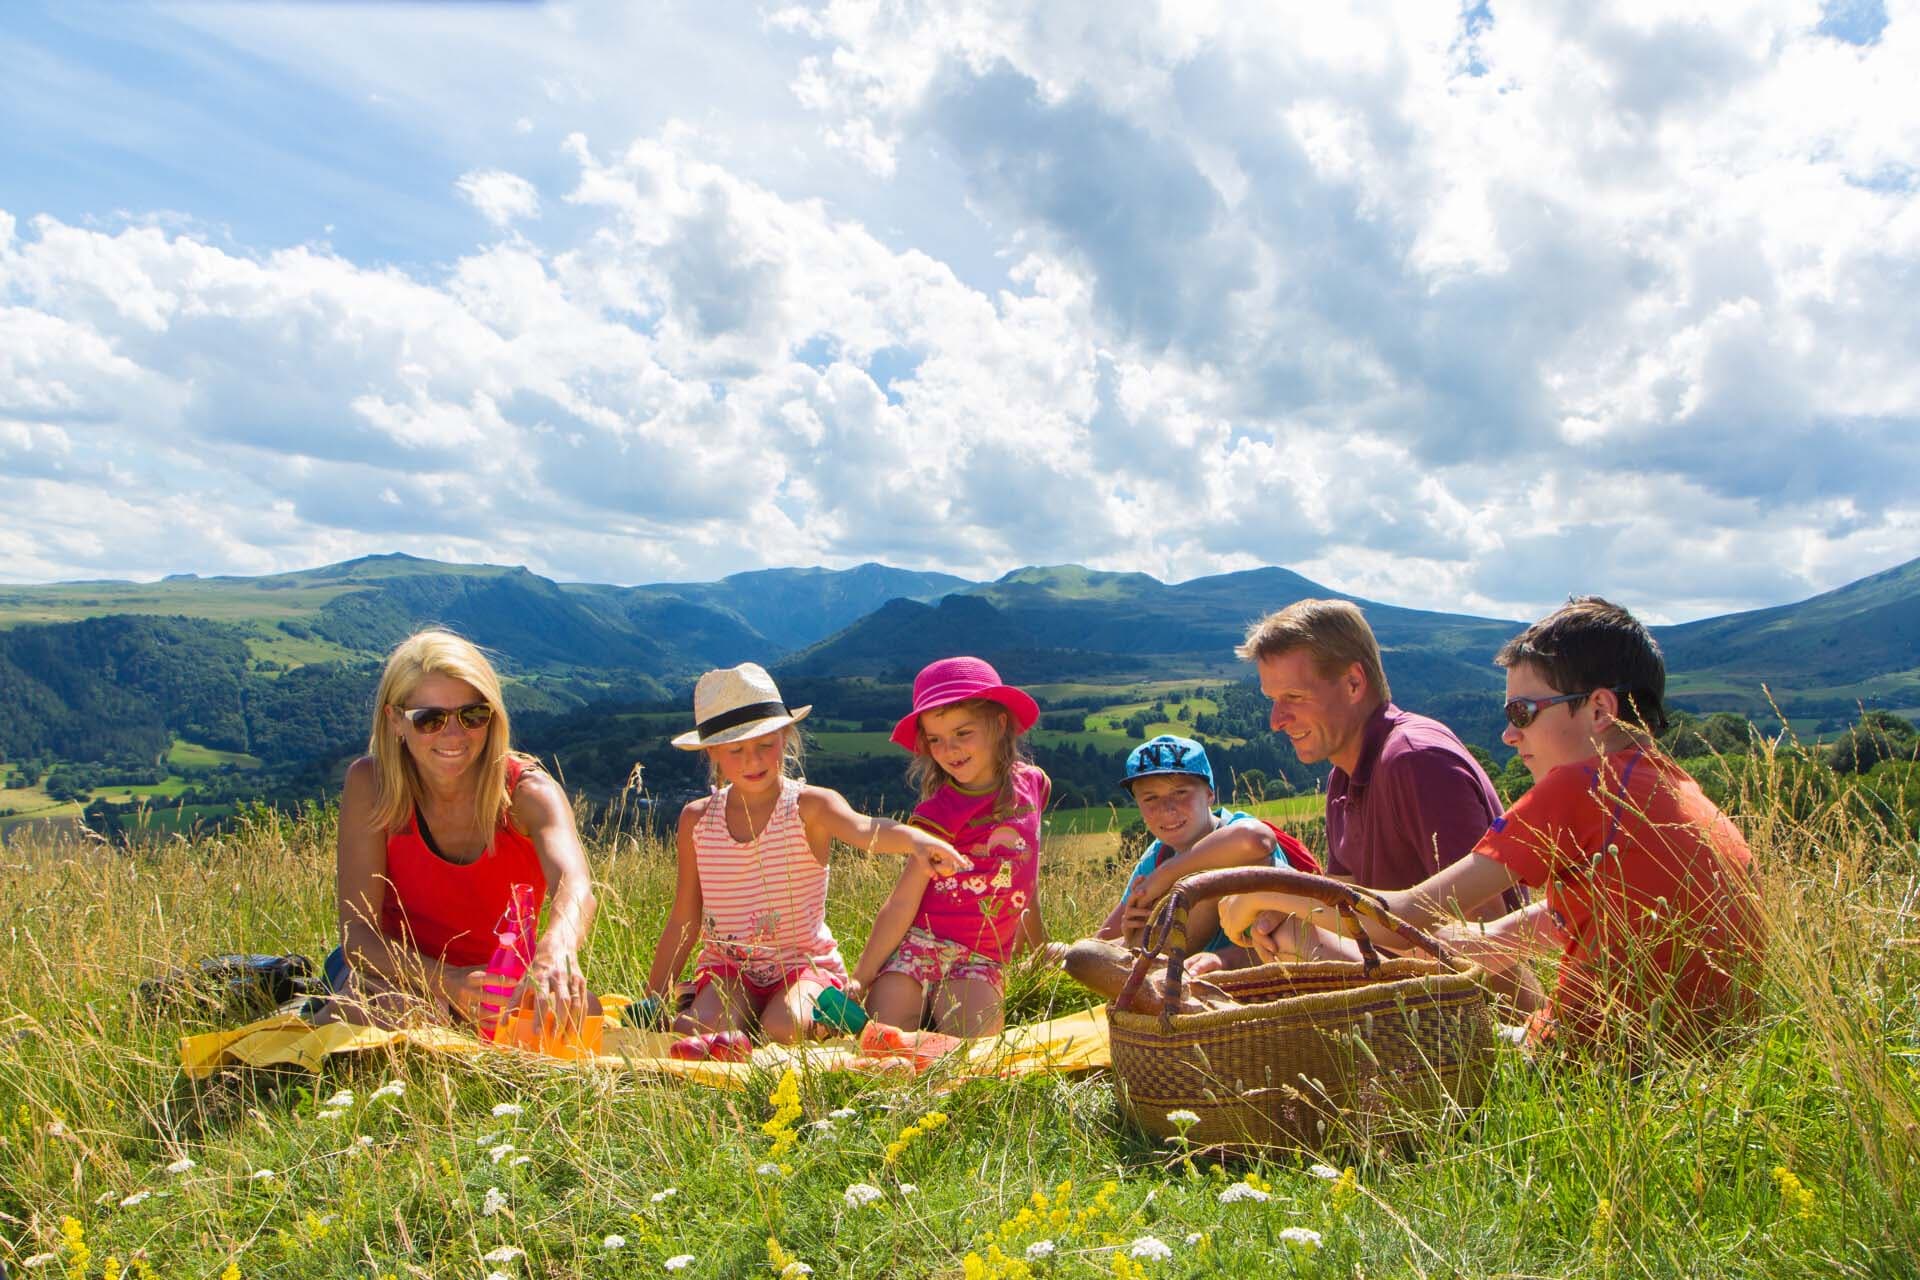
column 768, row 1170
column 344, row 1098
column 1241, row 1191
column 391, row 1089
column 679, row 1261
column 56, row 1128
column 1039, row 1249
column 39, row 1260
column 844, row 1113
column 1194, row 1238
column 364, row 1140
column 517, row 1161
column 262, row 1175
column 332, row 1113
column 908, row 1189
column 503, row 1109
column 661, row 1197
column 1150, row 1248
column 181, row 1165
column 499, row 1153
column 1183, row 1119
column 862, row 1194
column 134, row 1199
column 614, row 1242
column 824, row 1126
column 1326, row 1171
column 498, row 1275
column 793, row 1269
column 495, row 1201
column 1301, row 1237
column 505, row 1253
column 488, row 1139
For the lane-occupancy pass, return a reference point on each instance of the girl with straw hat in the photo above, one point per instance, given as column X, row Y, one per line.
column 752, row 887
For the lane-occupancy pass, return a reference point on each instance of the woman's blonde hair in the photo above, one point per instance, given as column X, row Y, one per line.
column 1009, row 752
column 421, row 654
column 793, row 755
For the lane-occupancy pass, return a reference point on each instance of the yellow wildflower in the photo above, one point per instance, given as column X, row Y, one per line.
column 785, row 1098
column 1345, row 1187
column 110, row 1269
column 1601, row 1232
column 73, row 1239
column 232, row 1272
column 1795, row 1197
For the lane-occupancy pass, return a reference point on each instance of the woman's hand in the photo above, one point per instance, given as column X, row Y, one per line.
column 465, row 988
column 558, row 987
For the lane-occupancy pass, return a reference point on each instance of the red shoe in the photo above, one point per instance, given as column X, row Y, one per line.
column 713, row 1046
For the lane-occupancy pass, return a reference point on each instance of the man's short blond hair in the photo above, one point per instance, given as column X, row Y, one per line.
column 1335, row 632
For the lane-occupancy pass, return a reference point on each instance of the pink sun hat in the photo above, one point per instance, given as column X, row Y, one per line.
column 951, row 680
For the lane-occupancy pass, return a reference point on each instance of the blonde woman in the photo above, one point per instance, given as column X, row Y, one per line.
column 437, row 822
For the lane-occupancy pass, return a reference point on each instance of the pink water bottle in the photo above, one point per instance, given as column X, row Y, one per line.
column 512, row 953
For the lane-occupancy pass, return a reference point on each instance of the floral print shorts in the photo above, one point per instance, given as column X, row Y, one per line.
column 927, row 960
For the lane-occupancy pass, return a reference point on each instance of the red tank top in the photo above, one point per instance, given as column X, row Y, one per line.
column 447, row 910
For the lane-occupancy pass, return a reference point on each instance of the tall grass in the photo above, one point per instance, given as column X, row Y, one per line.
column 1798, row 1152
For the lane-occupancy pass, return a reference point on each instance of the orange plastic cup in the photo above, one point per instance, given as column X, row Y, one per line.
column 565, row 1043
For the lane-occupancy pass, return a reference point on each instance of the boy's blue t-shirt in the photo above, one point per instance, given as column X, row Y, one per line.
column 1156, row 853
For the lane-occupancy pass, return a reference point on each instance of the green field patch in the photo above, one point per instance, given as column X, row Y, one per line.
column 270, row 644
column 191, row 755
column 240, row 601
column 168, row 789
column 856, row 744
column 1141, row 691
column 1101, row 741
column 1114, row 818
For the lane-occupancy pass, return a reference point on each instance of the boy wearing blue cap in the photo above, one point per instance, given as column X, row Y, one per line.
column 1171, row 780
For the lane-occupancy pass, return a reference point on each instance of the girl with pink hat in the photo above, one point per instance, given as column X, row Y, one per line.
column 753, row 871
column 941, row 945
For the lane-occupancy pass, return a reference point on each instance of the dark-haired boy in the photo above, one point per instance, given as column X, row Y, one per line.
column 1650, row 897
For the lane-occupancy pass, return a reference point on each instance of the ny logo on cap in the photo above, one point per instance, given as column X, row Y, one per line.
column 1165, row 755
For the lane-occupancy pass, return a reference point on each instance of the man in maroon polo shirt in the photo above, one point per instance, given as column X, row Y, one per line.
column 1405, row 797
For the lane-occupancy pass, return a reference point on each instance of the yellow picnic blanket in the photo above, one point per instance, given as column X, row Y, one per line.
column 1077, row 1042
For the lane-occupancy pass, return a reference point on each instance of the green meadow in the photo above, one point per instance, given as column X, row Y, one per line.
column 1795, row 1151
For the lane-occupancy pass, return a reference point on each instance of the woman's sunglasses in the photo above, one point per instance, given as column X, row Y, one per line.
column 431, row 720
column 1522, row 712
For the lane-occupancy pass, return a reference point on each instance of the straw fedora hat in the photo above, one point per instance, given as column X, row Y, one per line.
column 734, row 703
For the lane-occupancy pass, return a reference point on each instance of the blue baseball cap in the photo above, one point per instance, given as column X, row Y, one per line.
column 1167, row 754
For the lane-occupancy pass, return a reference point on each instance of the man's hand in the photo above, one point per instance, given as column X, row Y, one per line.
column 1266, row 932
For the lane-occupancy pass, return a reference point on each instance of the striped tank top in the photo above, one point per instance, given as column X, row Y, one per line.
column 763, row 903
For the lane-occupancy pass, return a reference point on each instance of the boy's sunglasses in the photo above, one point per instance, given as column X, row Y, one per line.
column 431, row 720
column 1522, row 712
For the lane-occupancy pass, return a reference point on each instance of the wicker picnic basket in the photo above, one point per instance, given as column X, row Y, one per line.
column 1315, row 1050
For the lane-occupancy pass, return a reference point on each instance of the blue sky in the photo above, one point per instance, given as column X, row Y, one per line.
column 1452, row 307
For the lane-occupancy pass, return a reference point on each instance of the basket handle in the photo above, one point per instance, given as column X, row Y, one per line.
column 1167, row 931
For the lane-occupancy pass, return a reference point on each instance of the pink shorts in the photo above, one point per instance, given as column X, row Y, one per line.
column 927, row 960
column 831, row 974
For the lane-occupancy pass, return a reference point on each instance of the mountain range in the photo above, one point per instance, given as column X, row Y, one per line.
column 566, row 645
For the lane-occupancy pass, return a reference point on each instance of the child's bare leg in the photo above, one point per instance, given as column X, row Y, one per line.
column 968, row 1007
column 788, row 1017
column 897, row 1000
column 722, row 1005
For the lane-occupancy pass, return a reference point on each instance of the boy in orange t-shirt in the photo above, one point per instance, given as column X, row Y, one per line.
column 1650, row 897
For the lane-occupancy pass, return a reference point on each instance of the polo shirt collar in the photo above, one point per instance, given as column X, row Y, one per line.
column 1372, row 740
